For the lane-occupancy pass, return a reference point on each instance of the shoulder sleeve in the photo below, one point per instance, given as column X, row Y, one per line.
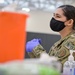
column 37, row 51
column 51, row 51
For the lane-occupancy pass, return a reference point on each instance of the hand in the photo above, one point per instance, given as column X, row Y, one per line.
column 31, row 44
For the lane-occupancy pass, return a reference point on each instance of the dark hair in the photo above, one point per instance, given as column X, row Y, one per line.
column 69, row 12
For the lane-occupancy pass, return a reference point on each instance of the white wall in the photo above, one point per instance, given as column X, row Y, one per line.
column 39, row 22
column 73, row 3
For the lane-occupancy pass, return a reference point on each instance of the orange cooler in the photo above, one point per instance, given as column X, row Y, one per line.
column 12, row 36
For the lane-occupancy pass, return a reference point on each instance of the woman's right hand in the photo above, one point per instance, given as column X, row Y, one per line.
column 30, row 45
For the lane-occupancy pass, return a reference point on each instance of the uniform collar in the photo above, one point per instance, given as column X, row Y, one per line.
column 67, row 36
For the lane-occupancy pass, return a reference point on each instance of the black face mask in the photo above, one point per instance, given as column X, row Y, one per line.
column 56, row 25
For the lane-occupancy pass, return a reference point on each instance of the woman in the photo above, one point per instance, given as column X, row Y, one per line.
column 63, row 21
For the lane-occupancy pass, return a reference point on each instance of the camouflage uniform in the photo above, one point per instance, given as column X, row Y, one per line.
column 60, row 49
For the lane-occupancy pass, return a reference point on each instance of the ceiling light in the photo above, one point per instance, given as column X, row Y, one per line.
column 51, row 8
column 26, row 9
column 1, row 1
column 59, row 3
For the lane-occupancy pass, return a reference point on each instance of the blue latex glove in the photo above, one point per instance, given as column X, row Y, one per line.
column 31, row 44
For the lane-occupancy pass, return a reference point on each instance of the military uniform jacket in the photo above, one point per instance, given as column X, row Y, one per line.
column 60, row 49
